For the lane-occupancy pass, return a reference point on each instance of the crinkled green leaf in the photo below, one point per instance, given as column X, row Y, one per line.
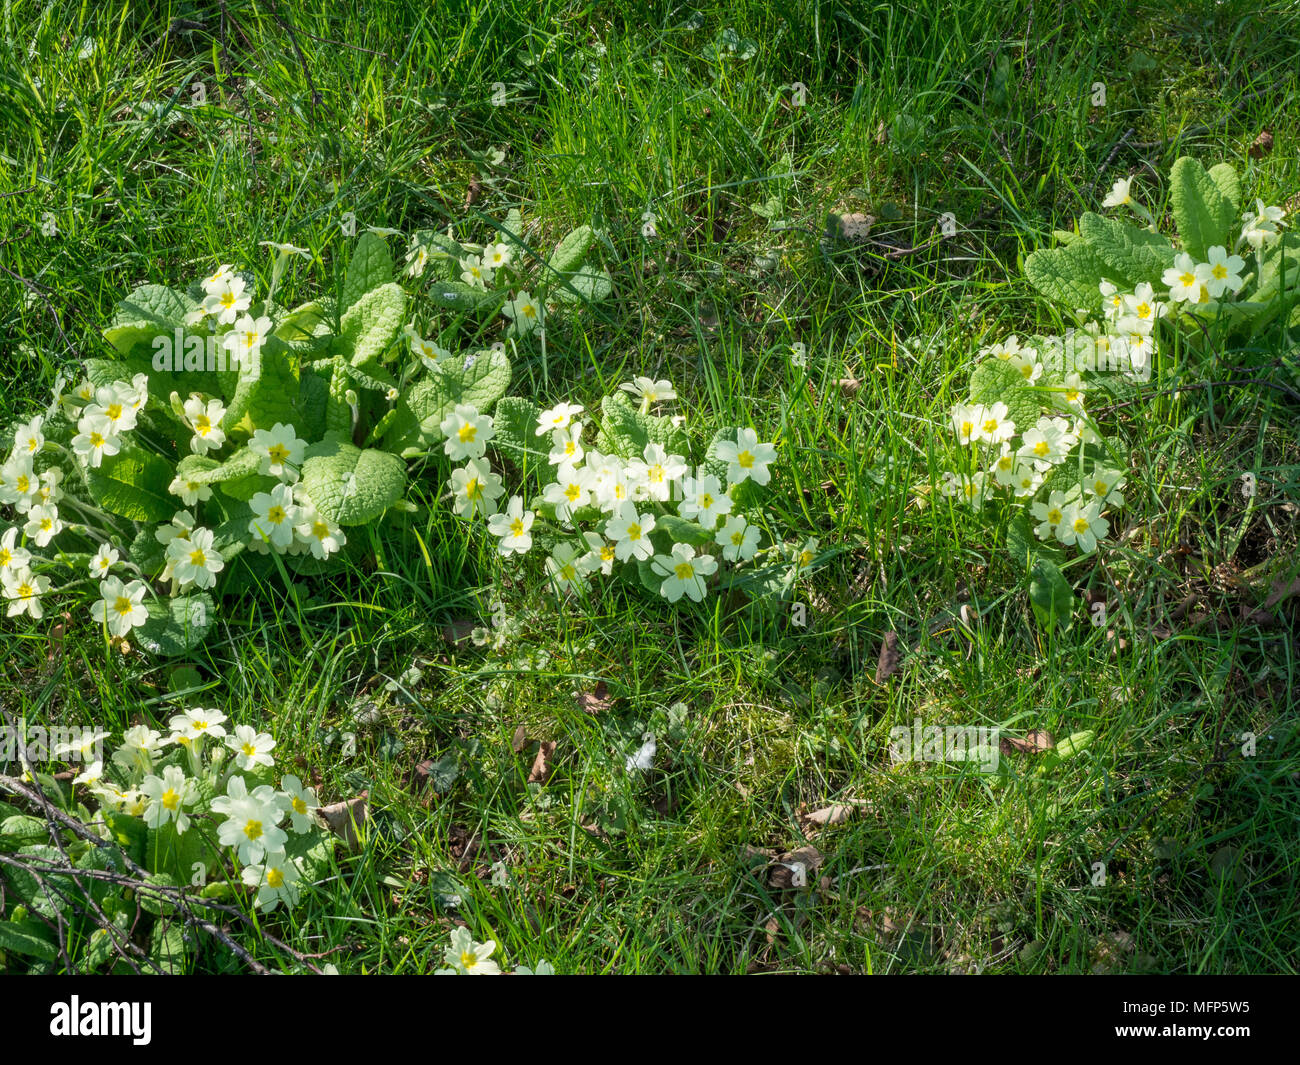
column 590, row 284
column 1280, row 270
column 1050, row 594
column 371, row 267
column 1068, row 276
column 175, row 626
column 1224, row 176
column 29, row 937
column 683, row 531
column 371, row 324
column 515, row 422
column 266, row 394
column 1135, row 255
column 625, row 431
column 1023, row 546
column 570, row 252
column 458, row 296
column 1203, row 212
column 134, row 484
column 351, row 486
column 995, row 380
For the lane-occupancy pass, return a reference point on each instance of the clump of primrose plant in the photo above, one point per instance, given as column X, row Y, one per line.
column 227, row 430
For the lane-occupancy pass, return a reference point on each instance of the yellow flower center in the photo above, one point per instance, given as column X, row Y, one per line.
column 745, row 460
column 96, row 438
column 274, row 878
column 684, row 570
column 573, row 492
column 469, row 959
column 1080, row 525
column 275, row 515
column 123, row 605
column 607, row 553
column 299, row 807
column 738, row 538
column 1054, row 516
column 227, row 300
column 1219, row 271
column 1100, row 487
column 530, row 311
column 198, row 558
column 1143, row 310
column 967, row 428
column 706, row 501
column 474, row 489
column 568, row 572
column 171, row 799
column 990, row 425
column 249, row 749
column 1187, row 280
column 1041, row 448
column 634, row 532
column 517, row 527
column 278, row 453
column 253, row 829
column 320, row 530
column 467, row 432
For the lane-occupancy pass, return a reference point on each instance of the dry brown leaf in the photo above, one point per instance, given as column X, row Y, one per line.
column 458, row 630
column 887, row 663
column 1262, row 145
column 542, row 767
column 1034, row 742
column 795, row 869
column 596, row 701
column 345, row 819
column 836, row 814
column 519, row 740
column 854, row 226
column 474, row 193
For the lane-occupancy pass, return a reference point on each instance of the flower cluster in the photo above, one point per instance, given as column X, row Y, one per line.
column 1025, row 430
column 465, row 957
column 204, row 771
column 618, row 501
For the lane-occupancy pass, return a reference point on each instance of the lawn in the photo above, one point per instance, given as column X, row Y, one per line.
column 814, row 216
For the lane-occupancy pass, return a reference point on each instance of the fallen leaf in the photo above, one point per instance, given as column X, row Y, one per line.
column 855, row 226
column 520, row 739
column 795, row 869
column 836, row 814
column 1262, row 145
column 1034, row 742
column 345, row 818
column 457, row 631
column 596, row 701
column 474, row 193
column 542, row 767
column 887, row 663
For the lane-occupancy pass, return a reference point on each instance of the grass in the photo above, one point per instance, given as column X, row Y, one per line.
column 982, row 112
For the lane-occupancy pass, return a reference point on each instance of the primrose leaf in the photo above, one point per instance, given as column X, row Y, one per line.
column 175, row 626
column 371, row 324
column 625, row 431
column 371, row 267
column 1137, row 255
column 1203, row 209
column 351, row 486
column 133, row 484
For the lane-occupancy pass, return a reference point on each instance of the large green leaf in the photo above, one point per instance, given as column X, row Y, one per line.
column 149, row 311
column 351, row 486
column 1023, row 546
column 570, row 252
column 1137, row 255
column 591, row 284
column 625, row 431
column 371, row 266
column 515, row 422
column 458, row 296
column 134, row 484
column 175, row 626
column 371, row 324
column 995, row 380
column 1280, row 270
column 1068, row 276
column 266, row 395
column 1203, row 210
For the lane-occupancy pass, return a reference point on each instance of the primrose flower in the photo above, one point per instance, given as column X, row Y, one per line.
column 24, row 590
column 139, row 745
column 1261, row 227
column 18, row 481
column 513, row 527
column 114, row 403
column 1083, row 525
column 567, row 568
column 274, row 516
column 322, row 537
column 227, row 299
column 600, row 554
column 280, row 450
column 747, row 458
column 1047, row 443
column 468, row 958
column 12, row 557
column 103, row 561
column 276, row 878
column 190, row 726
column 252, row 820
column 558, row 417
column 473, row 272
column 569, row 492
column 994, row 425
column 1112, row 300
column 190, row 492
column 1222, row 272
column 704, row 501
column 43, row 525
column 1120, row 194
column 215, row 281
column 1050, row 515
column 95, row 439
column 168, row 796
column 28, row 438
column 298, row 803
column 738, row 539
column 194, row 560
column 497, row 256
column 650, row 391
column 658, row 473
column 428, row 352
column 525, row 314
column 566, row 446
column 1182, row 279
column 252, row 748
column 48, row 492
column 684, row 573
column 467, row 432
column 475, row 489
column 630, row 532
column 245, row 340
column 417, row 258
column 1105, row 485
column 121, row 606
